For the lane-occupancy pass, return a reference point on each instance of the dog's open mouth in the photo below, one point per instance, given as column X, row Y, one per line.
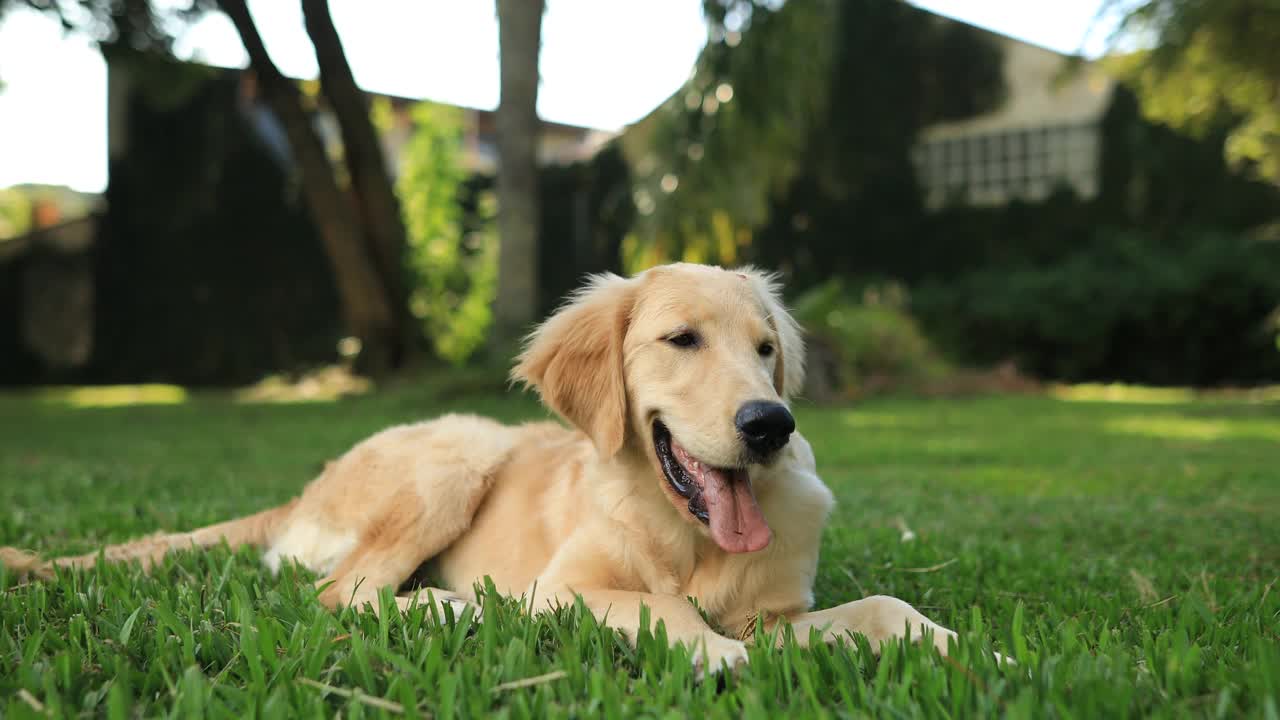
column 720, row 497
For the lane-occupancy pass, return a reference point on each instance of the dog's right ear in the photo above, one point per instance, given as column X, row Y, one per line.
column 574, row 360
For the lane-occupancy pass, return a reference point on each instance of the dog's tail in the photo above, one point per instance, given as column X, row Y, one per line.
column 259, row 529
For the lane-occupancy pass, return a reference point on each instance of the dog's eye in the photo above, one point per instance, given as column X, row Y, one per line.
column 765, row 349
column 686, row 339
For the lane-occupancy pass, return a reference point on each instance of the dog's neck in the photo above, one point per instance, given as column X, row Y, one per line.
column 631, row 497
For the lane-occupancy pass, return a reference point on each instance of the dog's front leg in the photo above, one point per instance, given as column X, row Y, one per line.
column 880, row 618
column 621, row 609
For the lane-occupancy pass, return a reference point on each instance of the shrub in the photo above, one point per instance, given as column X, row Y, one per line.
column 862, row 343
column 1192, row 308
column 15, row 213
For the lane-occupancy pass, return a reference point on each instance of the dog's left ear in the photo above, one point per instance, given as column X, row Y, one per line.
column 574, row 361
column 788, row 374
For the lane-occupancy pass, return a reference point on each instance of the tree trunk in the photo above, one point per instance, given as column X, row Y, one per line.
column 364, row 298
column 375, row 197
column 519, row 38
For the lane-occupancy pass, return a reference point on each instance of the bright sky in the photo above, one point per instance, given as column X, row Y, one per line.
column 604, row 63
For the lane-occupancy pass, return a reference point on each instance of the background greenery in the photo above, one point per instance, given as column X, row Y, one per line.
column 788, row 147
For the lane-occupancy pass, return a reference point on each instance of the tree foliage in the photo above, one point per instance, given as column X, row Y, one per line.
column 712, row 155
column 135, row 24
column 1215, row 64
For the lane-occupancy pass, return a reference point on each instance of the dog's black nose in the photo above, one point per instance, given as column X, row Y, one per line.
column 764, row 426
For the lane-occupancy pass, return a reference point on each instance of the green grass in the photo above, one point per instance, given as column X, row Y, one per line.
column 1125, row 553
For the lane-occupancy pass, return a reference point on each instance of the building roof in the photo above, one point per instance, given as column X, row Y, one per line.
column 1044, row 87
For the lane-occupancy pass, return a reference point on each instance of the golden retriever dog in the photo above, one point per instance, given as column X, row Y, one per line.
column 681, row 477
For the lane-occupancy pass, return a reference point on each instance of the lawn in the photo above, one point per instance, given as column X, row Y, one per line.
column 1126, row 553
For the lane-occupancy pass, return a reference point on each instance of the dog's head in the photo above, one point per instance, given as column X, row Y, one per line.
column 689, row 365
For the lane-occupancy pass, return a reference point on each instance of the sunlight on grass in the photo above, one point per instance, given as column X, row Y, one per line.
column 1174, row 427
column 323, row 385
column 1116, row 392
column 1141, row 394
column 103, row 396
column 877, row 420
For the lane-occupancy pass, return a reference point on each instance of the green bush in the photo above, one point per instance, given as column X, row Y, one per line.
column 863, row 340
column 453, row 251
column 1194, row 308
column 15, row 213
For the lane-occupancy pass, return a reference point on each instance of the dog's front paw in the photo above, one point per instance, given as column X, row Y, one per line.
column 713, row 653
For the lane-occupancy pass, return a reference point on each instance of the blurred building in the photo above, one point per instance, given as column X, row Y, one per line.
column 560, row 144
column 1046, row 134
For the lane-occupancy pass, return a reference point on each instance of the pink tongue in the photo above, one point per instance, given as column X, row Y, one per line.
column 737, row 525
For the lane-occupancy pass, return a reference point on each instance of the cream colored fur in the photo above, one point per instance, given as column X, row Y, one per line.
column 585, row 511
